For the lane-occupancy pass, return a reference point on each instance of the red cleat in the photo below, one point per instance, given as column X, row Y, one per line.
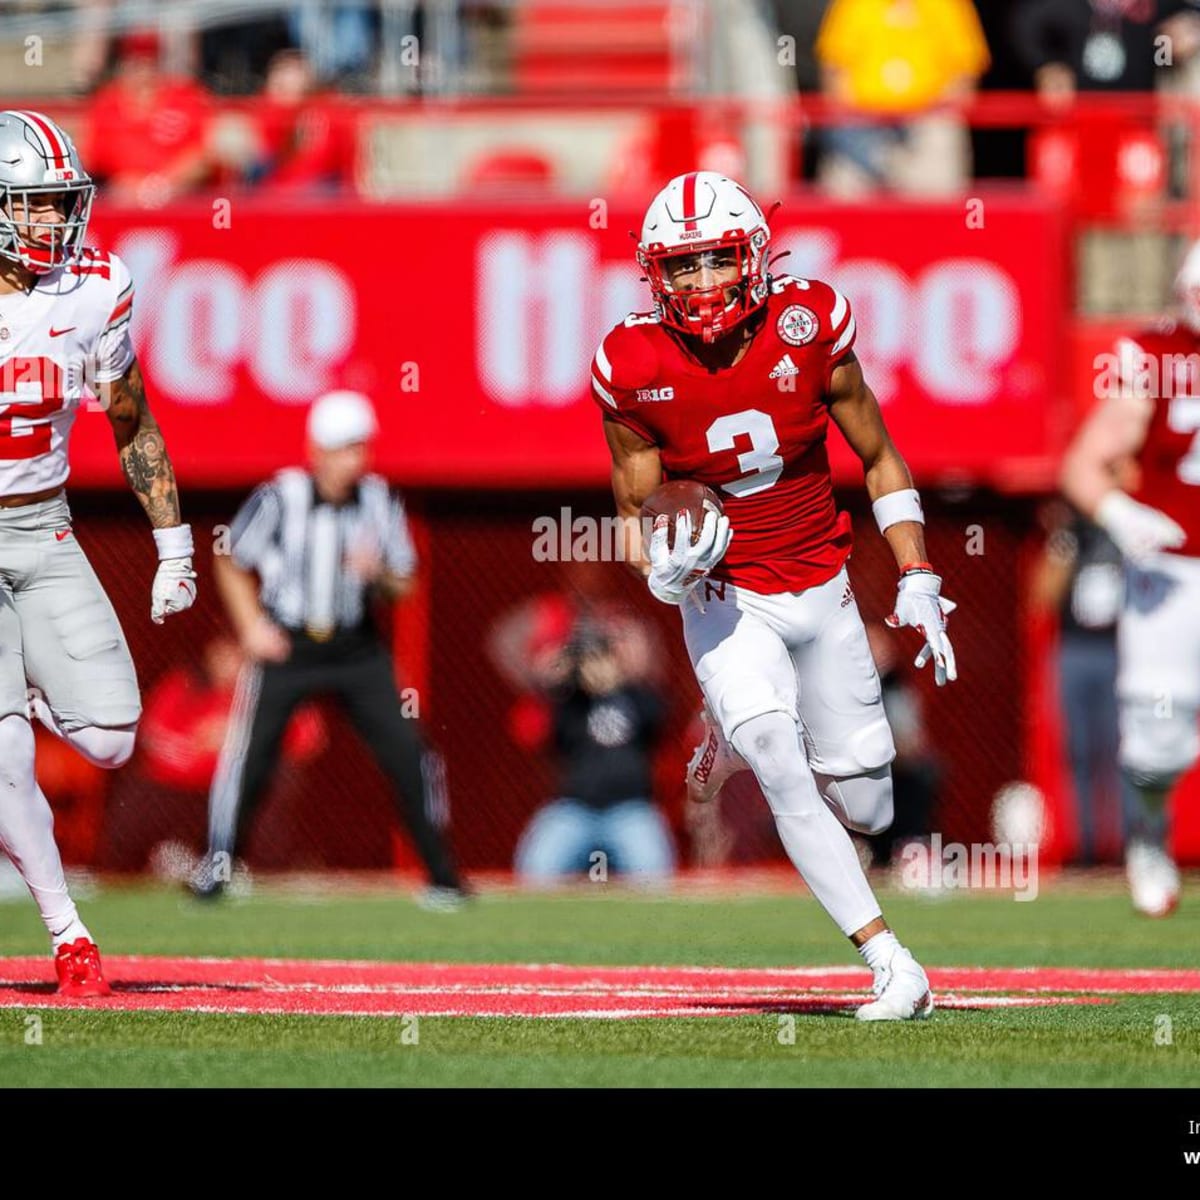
column 79, row 973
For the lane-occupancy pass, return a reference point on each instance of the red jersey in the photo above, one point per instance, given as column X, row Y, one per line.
column 129, row 137
column 1168, row 357
column 753, row 432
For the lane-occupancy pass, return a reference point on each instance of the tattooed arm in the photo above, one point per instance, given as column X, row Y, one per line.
column 140, row 446
column 152, row 478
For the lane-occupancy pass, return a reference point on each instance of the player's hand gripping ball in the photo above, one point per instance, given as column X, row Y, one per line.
column 689, row 536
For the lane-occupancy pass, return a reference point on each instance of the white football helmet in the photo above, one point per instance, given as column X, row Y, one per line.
column 37, row 158
column 1187, row 288
column 698, row 212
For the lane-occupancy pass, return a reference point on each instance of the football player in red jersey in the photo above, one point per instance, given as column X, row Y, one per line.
column 731, row 381
column 1149, row 413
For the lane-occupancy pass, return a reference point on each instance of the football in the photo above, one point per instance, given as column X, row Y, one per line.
column 677, row 496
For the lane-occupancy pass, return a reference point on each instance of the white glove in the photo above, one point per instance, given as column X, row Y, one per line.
column 173, row 590
column 919, row 604
column 675, row 571
column 174, row 583
column 1138, row 530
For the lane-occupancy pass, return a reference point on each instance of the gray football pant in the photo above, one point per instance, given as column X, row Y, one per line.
column 58, row 630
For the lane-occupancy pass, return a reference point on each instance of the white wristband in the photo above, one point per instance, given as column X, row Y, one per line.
column 174, row 542
column 896, row 507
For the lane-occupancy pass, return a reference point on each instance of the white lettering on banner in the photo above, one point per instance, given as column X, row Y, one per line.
column 953, row 325
column 881, row 295
column 198, row 321
column 196, row 337
column 530, row 317
column 544, row 302
column 970, row 321
column 305, row 317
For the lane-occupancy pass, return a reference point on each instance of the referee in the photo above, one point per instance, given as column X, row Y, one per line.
column 308, row 551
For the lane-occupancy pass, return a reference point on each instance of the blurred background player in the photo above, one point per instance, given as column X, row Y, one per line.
column 1150, row 413
column 769, row 617
column 309, row 553
column 605, row 726
column 64, row 325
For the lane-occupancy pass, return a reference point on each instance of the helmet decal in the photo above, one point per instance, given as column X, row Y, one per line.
column 697, row 213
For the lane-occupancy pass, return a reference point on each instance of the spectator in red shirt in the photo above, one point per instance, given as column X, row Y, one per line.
column 147, row 135
column 301, row 144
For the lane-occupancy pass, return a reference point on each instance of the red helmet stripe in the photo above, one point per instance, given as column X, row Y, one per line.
column 689, row 201
column 57, row 150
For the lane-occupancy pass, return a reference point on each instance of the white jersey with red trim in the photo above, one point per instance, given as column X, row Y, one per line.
column 69, row 332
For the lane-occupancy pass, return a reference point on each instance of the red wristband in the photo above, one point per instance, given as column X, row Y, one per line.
column 909, row 568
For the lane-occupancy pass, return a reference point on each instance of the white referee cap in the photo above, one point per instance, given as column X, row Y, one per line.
column 340, row 419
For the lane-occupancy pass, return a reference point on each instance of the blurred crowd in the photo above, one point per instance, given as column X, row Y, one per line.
column 168, row 111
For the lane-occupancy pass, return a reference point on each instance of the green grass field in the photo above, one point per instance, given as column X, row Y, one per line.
column 1095, row 1045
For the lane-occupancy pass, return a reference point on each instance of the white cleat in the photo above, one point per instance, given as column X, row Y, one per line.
column 901, row 991
column 713, row 762
column 1153, row 879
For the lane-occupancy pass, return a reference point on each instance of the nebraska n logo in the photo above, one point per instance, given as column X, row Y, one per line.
column 783, row 367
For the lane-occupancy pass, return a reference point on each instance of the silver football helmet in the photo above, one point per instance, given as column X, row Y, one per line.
column 39, row 166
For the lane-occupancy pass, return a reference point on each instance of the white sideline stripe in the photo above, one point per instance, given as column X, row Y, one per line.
column 657, row 968
column 849, row 1000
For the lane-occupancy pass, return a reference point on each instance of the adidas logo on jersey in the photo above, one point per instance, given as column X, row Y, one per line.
column 783, row 367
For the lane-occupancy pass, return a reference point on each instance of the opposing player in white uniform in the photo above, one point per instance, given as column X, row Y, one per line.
column 64, row 335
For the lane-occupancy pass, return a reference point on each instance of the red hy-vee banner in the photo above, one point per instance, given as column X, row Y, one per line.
column 473, row 328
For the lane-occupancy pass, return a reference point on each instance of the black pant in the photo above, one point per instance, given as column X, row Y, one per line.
column 355, row 668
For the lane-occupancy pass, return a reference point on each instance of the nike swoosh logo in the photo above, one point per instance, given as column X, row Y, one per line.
column 60, row 534
column 60, row 332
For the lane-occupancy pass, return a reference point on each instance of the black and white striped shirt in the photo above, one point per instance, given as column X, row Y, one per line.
column 298, row 545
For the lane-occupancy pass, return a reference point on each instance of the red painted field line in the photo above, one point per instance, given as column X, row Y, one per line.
column 277, row 986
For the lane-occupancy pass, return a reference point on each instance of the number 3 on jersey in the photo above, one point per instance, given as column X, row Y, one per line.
column 1184, row 417
column 31, row 390
column 760, row 465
